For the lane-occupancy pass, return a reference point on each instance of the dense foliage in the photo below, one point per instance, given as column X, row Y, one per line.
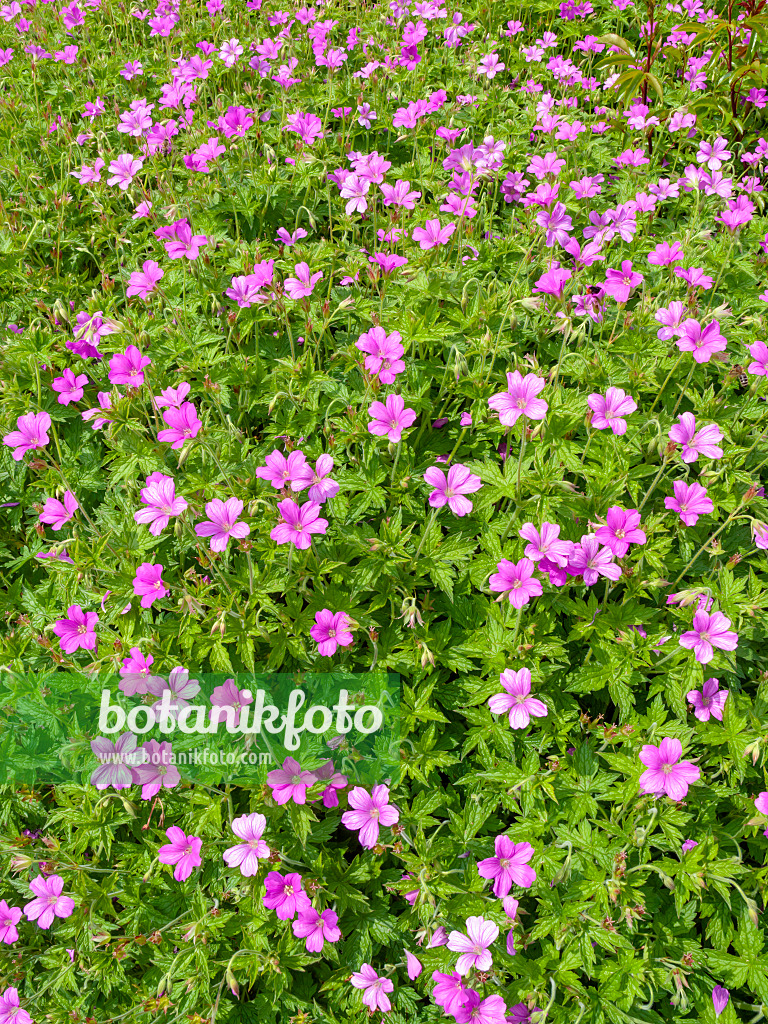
column 419, row 339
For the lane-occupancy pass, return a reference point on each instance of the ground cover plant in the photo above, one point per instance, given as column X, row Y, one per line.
column 419, row 339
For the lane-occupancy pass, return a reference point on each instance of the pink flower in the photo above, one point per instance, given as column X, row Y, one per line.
column 246, row 855
column 509, row 867
column 316, row 928
column 299, row 523
column 10, row 1010
column 761, row 803
column 690, row 501
column 157, row 771
column 520, row 399
column 48, row 902
column 553, row 282
column 476, row 1010
column 57, row 514
column 713, row 155
column 384, row 353
column 76, row 631
column 414, row 966
column 149, row 584
column 545, row 544
column 327, row 773
column 517, row 581
column 116, row 761
column 695, row 444
column 290, row 782
column 322, row 488
column 450, row 491
column 667, row 774
column 69, row 387
column 105, row 405
column 449, row 992
column 432, row 234
column 474, row 946
column 517, row 700
column 720, row 995
column 31, row 433
column 9, row 918
column 591, row 561
column 126, row 367
column 231, row 700
column 282, row 472
column 159, row 495
column 143, row 282
column 702, row 342
column 709, row 631
column 759, row 352
column 135, row 672
column 183, row 425
column 183, row 851
column 621, row 530
column 180, row 689
column 222, row 523
column 607, row 412
column 374, row 988
column 330, row 631
column 390, row 418
column 285, row 895
column 124, row 170
column 665, row 254
column 709, row 700
column 370, row 810
column 303, row 284
column 619, row 283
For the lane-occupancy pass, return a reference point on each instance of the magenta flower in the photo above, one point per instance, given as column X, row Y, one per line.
column 384, row 353
column 517, row 580
column 183, row 425
column 299, row 523
column 48, row 902
column 517, row 700
column 591, row 561
column 553, row 282
column 414, row 966
column 290, row 782
column 720, row 995
column 69, row 386
column 450, row 491
column 31, row 433
column 474, row 946
column 233, row 700
column 374, row 988
column 309, row 127
column 222, row 523
column 607, row 411
column 666, row 773
column 390, row 418
column 759, row 352
column 709, row 631
column 157, row 771
column 327, row 773
column 148, row 584
column 56, row 514
column 293, row 471
column 713, row 155
column 449, row 992
column 370, row 810
column 709, row 700
column 330, row 631
column 302, row 286
column 432, row 234
column 285, row 895
column 246, row 855
column 509, row 867
column 116, row 761
column 316, row 928
column 619, row 283
column 476, row 1010
column 180, row 689
column 621, row 530
column 545, row 544
column 689, row 844
column 9, row 918
column 144, row 281
column 321, row 488
column 124, row 170
column 702, row 341
column 10, row 1010
column 520, row 399
column 184, row 243
column 79, row 630
column 159, row 495
column 695, row 443
column 761, row 803
column 183, row 851
column 127, row 367
column 135, row 672
column 690, row 501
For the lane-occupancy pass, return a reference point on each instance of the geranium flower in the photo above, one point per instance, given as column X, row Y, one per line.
column 450, row 490
column 316, row 928
column 149, row 584
column 56, row 513
column 474, row 946
column 516, row 580
column 48, row 902
column 517, row 699
column 520, row 399
column 246, row 855
column 285, row 895
column 666, row 773
column 374, row 988
column 370, row 810
column 690, row 501
column 695, row 443
column 709, row 700
column 222, row 523
column 607, row 412
column 31, row 433
column 390, row 418
column 157, row 770
column 509, row 867
column 290, row 782
column 299, row 523
column 76, row 631
column 709, row 631
column 183, row 851
column 330, row 631
column 159, row 495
